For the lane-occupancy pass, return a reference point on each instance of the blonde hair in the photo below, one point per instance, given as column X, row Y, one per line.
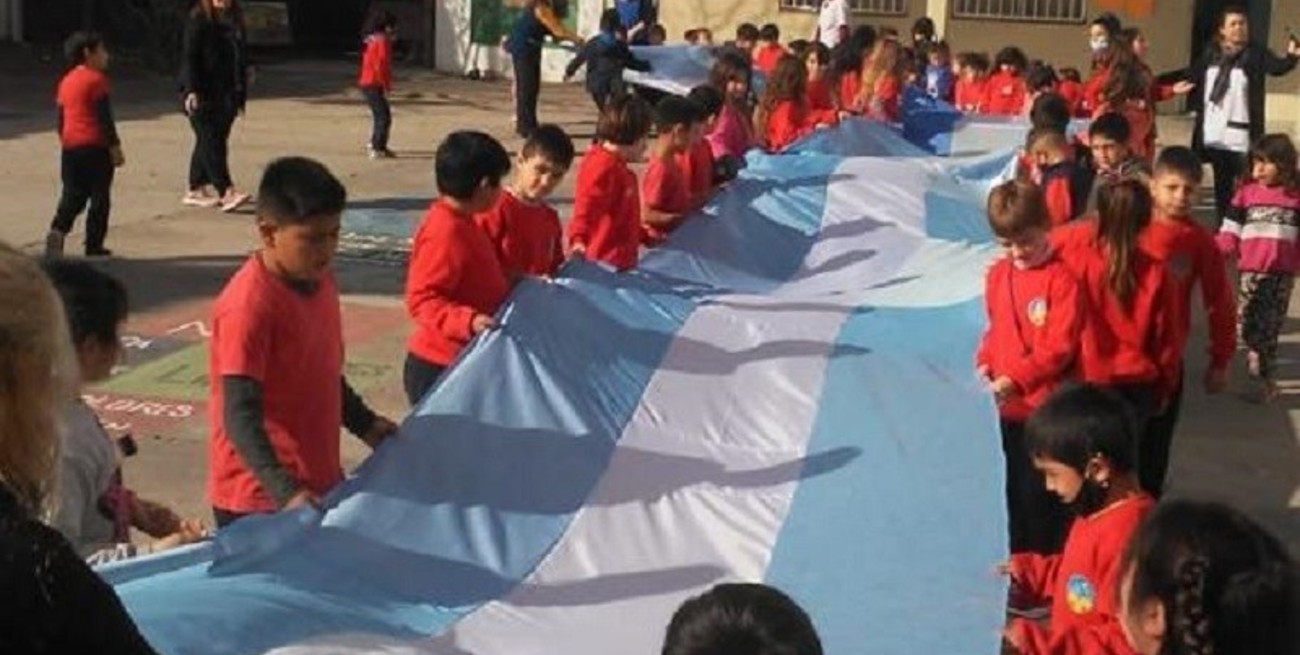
column 885, row 61
column 37, row 370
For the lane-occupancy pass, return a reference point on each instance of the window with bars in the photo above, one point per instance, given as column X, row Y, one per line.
column 1037, row 11
column 878, row 7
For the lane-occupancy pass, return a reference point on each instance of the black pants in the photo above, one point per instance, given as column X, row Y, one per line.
column 1157, row 442
column 1228, row 168
column 381, row 117
column 528, row 86
column 1038, row 522
column 418, row 377
column 224, row 517
column 87, row 176
column 210, row 161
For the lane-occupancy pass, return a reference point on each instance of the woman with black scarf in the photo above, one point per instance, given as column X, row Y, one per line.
column 214, row 87
column 1230, row 75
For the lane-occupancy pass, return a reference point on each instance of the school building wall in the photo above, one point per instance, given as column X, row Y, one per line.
column 455, row 51
column 724, row 16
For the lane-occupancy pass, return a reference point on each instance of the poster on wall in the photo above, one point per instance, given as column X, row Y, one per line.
column 267, row 23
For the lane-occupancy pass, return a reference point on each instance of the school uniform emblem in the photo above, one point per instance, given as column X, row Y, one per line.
column 1037, row 312
column 1081, row 595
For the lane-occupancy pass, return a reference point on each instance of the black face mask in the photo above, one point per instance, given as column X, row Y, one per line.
column 1091, row 498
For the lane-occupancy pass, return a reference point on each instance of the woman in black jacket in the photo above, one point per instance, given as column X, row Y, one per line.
column 50, row 601
column 214, row 84
column 1230, row 77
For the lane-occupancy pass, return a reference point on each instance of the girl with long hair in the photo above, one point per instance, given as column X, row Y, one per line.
column 733, row 133
column 881, row 92
column 784, row 115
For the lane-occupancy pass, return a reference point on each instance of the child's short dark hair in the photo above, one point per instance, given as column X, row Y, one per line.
column 741, row 618
column 770, row 32
column 708, row 99
column 1011, row 56
column 611, row 22
column 1050, row 111
column 1016, row 207
column 976, row 61
column 94, row 302
column 799, row 47
column 1040, row 77
column 657, row 32
column 77, row 46
column 1047, row 138
column 674, row 111
column 747, row 32
column 625, row 121
column 380, row 20
column 1081, row 421
column 551, row 143
column 1179, row 160
column 1071, row 74
column 466, row 160
column 297, row 190
column 1111, row 125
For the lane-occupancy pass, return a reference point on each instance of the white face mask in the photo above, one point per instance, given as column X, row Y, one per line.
column 1099, row 44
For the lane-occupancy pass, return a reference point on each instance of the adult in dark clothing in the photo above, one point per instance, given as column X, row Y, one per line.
column 1230, row 77
column 606, row 57
column 52, row 603
column 637, row 17
column 538, row 20
column 214, row 86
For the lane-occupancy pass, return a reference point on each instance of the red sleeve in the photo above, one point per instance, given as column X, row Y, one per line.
column 243, row 341
column 557, row 246
column 654, row 190
column 1167, row 345
column 783, row 126
column 437, row 267
column 1060, row 202
column 983, row 356
column 889, row 94
column 1220, row 302
column 591, row 200
column 1053, row 357
column 493, row 224
column 385, row 64
column 1034, row 573
column 1104, row 638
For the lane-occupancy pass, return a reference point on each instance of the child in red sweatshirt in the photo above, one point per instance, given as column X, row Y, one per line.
column 376, row 80
column 1190, row 256
column 697, row 163
column 1029, row 348
column 523, row 229
column 972, row 69
column 784, row 115
column 1083, row 440
column 769, row 49
column 1058, row 173
column 455, row 283
column 606, row 223
column 666, row 196
column 1004, row 92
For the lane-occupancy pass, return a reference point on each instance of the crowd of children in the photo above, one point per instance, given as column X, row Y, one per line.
column 1089, row 313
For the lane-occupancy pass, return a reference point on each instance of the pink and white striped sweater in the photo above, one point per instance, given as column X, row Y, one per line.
column 1263, row 226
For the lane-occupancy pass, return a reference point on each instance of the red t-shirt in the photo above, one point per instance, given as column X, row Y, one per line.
column 291, row 344
column 1033, row 332
column 766, row 57
column 1004, row 94
column 377, row 63
column 697, row 167
column 665, row 188
column 791, row 121
column 886, row 101
column 968, row 96
column 1082, row 583
column 527, row 236
column 607, row 210
column 454, row 274
column 1190, row 256
column 819, row 95
column 79, row 95
column 850, row 89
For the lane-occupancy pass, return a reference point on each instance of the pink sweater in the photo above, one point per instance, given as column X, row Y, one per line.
column 733, row 135
column 1264, row 224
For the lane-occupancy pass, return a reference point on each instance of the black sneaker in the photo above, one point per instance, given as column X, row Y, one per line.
column 99, row 252
column 54, row 244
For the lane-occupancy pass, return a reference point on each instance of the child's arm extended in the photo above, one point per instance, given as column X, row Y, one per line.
column 1033, row 574
column 1221, row 308
column 362, row 421
column 1055, row 352
column 244, row 417
column 1229, row 237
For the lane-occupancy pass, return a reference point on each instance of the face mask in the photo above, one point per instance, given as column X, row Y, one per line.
column 1099, row 45
column 1091, row 498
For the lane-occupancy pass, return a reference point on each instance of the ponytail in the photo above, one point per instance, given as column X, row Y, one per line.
column 1123, row 211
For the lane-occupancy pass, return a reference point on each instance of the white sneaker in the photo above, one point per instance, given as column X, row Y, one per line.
column 234, row 200
column 199, row 199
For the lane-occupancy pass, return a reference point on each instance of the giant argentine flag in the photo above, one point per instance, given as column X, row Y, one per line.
column 784, row 393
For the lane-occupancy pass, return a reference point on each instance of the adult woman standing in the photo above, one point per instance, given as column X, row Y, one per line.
column 539, row 20
column 1230, row 75
column 214, row 87
column 52, row 601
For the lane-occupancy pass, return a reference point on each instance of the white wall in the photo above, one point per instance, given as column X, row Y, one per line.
column 455, row 53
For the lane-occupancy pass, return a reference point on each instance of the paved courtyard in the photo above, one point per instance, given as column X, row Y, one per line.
column 175, row 259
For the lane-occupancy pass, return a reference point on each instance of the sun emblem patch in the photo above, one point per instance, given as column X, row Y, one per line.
column 1080, row 594
column 1037, row 312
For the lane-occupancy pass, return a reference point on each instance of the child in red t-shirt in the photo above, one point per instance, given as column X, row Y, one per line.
column 817, row 58
column 1190, row 256
column 971, row 69
column 91, row 149
column 1083, row 440
column 278, row 395
column 376, row 80
column 698, row 164
column 769, row 49
column 1004, row 92
column 1029, row 348
column 1053, row 158
column 523, row 229
column 606, row 223
column 665, row 192
column 784, row 116
column 455, row 282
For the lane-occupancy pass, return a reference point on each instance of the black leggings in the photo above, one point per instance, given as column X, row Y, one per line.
column 381, row 117
column 1228, row 168
column 418, row 377
column 528, row 86
column 87, row 176
column 209, row 163
column 1157, row 443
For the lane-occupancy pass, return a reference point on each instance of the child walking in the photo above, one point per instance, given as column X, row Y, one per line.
column 1261, row 230
column 606, row 223
column 91, row 148
column 376, row 80
column 1084, row 441
column 276, row 362
column 455, row 282
column 606, row 57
